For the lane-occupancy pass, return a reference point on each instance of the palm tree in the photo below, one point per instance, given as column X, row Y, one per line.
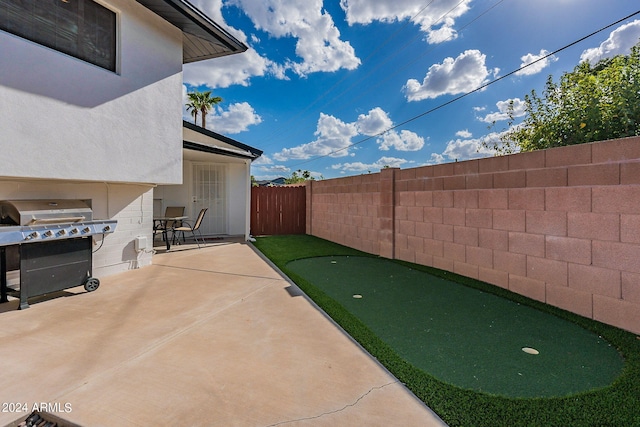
column 201, row 102
column 207, row 103
column 193, row 105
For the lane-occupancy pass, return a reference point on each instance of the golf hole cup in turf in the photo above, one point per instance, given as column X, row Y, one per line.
column 530, row 350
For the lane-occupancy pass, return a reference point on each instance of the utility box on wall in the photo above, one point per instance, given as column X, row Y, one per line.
column 140, row 243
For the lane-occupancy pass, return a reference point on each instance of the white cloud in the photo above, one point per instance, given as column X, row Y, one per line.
column 441, row 35
column 262, row 161
column 403, row 141
column 529, row 58
column 464, row 133
column 465, row 149
column 436, row 159
column 229, row 70
column 392, row 162
column 318, row 39
column 454, row 76
column 620, row 41
column 374, row 122
column 333, row 138
column 436, row 18
column 236, row 119
column 503, row 110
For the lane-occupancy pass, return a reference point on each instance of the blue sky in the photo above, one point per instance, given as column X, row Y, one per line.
column 323, row 80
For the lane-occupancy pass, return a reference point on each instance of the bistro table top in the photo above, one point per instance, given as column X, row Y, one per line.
column 169, row 218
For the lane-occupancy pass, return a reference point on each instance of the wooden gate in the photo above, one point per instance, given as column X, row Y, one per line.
column 278, row 210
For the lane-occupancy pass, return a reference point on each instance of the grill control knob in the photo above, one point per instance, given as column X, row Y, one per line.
column 86, row 230
column 106, row 228
column 74, row 231
column 62, row 232
column 32, row 235
column 48, row 233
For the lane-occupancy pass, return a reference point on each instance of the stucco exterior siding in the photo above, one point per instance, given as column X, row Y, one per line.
column 73, row 130
column 62, row 118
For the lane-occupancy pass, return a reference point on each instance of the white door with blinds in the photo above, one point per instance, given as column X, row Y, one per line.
column 210, row 191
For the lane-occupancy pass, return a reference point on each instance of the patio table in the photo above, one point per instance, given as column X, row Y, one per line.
column 160, row 224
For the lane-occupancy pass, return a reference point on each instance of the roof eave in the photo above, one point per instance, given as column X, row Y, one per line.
column 202, row 37
column 187, row 145
column 225, row 139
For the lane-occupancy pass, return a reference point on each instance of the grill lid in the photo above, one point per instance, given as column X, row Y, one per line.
column 36, row 212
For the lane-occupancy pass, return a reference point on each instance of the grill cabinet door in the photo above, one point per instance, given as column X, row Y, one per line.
column 47, row 267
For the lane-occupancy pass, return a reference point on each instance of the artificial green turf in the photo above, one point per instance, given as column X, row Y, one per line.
column 613, row 405
column 463, row 336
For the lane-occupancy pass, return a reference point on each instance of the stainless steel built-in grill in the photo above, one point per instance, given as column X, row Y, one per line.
column 50, row 242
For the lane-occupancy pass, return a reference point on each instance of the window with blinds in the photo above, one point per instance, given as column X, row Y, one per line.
column 81, row 28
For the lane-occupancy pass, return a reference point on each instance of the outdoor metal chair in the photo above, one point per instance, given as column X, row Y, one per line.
column 194, row 230
column 173, row 212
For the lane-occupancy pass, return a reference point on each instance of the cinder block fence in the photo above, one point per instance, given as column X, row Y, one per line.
column 560, row 226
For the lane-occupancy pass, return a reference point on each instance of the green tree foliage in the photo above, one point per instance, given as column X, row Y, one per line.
column 591, row 103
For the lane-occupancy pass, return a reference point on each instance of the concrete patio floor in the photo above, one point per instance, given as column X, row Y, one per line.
column 204, row 337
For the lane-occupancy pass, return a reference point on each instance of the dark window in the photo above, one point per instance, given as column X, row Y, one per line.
column 80, row 28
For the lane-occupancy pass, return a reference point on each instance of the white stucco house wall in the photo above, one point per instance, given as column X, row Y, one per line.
column 98, row 116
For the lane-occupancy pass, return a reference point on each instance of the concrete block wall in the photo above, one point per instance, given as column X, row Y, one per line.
column 561, row 226
column 346, row 211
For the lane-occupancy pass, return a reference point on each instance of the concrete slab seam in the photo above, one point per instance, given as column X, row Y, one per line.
column 349, row 405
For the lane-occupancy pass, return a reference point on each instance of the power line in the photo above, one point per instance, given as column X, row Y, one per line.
column 398, row 70
column 376, row 50
column 451, row 101
column 403, row 47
